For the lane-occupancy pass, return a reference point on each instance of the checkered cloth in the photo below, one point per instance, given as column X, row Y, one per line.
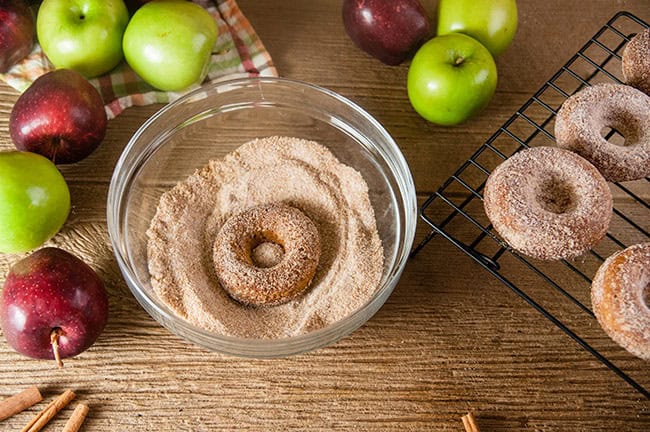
column 238, row 52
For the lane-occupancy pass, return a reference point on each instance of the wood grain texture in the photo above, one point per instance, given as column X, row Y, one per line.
column 450, row 339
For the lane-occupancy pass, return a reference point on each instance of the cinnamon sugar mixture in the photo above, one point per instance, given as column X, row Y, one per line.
column 300, row 173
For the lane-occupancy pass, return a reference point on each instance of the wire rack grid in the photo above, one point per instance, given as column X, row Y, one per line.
column 456, row 213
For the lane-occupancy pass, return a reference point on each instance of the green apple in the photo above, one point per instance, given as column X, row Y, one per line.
column 451, row 78
column 491, row 22
column 169, row 43
column 84, row 35
column 34, row 201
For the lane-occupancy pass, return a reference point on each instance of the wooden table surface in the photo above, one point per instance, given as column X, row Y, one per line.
column 450, row 339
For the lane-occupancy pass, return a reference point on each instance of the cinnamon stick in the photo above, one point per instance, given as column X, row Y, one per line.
column 18, row 402
column 470, row 423
column 77, row 418
column 49, row 411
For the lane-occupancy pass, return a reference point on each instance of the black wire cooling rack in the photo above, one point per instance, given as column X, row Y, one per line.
column 456, row 212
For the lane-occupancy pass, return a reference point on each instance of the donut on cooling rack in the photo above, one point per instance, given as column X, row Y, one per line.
column 256, row 285
column 636, row 62
column 548, row 203
column 584, row 115
column 620, row 294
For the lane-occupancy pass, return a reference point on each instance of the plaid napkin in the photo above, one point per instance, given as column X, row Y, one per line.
column 238, row 52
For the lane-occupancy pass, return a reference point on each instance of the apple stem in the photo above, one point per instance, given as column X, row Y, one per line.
column 54, row 340
column 459, row 60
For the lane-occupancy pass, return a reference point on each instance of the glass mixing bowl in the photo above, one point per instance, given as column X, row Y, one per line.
column 213, row 121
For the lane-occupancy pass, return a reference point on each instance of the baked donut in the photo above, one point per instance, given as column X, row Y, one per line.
column 258, row 285
column 620, row 296
column 584, row 115
column 636, row 62
column 548, row 203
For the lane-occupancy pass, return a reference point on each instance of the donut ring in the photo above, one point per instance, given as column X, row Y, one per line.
column 620, row 293
column 257, row 286
column 583, row 116
column 636, row 62
column 548, row 203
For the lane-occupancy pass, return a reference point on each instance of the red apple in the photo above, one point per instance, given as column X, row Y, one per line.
column 389, row 30
column 17, row 31
column 60, row 116
column 52, row 301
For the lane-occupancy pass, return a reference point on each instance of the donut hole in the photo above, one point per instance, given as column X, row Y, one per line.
column 621, row 129
column 266, row 250
column 612, row 136
column 556, row 195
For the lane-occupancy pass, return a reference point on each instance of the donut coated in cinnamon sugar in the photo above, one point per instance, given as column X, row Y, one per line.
column 620, row 293
column 548, row 203
column 584, row 115
column 636, row 62
column 256, row 285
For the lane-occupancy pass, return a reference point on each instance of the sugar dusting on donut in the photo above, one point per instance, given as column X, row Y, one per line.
column 274, row 223
column 636, row 62
column 548, row 203
column 584, row 115
column 620, row 293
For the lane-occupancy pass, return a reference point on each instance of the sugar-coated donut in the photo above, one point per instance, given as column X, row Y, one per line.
column 636, row 62
column 620, row 293
column 584, row 115
column 276, row 223
column 548, row 203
